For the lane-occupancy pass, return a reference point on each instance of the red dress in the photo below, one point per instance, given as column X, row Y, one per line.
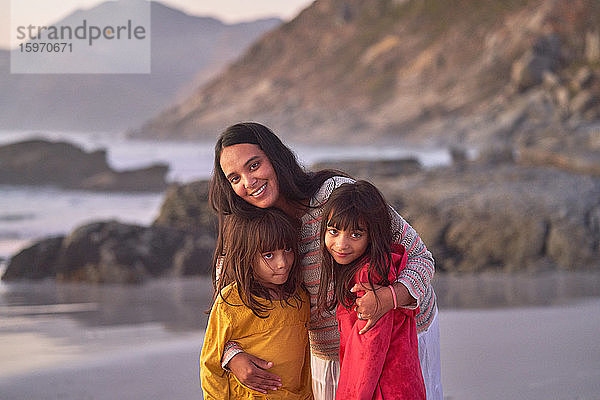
column 382, row 363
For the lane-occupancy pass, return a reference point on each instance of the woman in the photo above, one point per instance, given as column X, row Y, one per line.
column 253, row 168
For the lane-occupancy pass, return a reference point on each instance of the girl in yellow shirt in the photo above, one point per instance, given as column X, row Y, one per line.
column 260, row 304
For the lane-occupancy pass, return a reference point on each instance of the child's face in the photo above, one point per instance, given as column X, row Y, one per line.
column 273, row 268
column 346, row 246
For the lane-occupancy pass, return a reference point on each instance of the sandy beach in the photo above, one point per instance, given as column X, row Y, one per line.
column 510, row 353
column 522, row 353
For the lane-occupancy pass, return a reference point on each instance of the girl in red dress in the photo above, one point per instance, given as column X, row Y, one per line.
column 383, row 362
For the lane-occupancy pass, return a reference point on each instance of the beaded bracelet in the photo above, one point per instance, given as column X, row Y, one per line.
column 394, row 296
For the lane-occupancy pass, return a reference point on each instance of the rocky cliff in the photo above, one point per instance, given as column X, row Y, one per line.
column 432, row 71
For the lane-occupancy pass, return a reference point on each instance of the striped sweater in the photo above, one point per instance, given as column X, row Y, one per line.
column 323, row 331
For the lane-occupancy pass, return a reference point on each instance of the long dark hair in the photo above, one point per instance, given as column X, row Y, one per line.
column 355, row 206
column 247, row 236
column 295, row 184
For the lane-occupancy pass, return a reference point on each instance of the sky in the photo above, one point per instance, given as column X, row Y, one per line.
column 49, row 11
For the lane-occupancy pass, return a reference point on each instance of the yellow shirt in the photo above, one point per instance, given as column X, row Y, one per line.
column 282, row 338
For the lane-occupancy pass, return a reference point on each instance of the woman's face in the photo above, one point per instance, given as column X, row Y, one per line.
column 250, row 173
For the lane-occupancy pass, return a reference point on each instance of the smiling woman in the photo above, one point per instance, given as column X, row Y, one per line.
column 251, row 174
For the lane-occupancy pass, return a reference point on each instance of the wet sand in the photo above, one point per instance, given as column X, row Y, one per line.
column 522, row 353
column 167, row 371
column 510, row 353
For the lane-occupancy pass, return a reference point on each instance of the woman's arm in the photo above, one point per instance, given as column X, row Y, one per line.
column 412, row 282
column 420, row 266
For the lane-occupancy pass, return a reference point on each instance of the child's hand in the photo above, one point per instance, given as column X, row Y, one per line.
column 370, row 307
column 250, row 371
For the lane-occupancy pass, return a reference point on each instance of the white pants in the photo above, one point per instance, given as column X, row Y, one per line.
column 429, row 356
column 325, row 373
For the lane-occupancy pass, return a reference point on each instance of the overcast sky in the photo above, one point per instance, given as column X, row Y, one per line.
column 49, row 11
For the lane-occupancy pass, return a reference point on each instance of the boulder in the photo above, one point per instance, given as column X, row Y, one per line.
column 180, row 242
column 504, row 217
column 40, row 162
column 113, row 252
column 62, row 164
column 186, row 207
column 36, row 262
column 368, row 169
column 194, row 257
column 149, row 179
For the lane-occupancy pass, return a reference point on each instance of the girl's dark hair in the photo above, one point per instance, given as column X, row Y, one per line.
column 295, row 184
column 247, row 236
column 355, row 206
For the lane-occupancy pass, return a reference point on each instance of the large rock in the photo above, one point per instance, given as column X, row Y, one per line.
column 39, row 261
column 502, row 217
column 149, row 179
column 372, row 168
column 112, row 252
column 41, row 162
column 62, row 164
column 186, row 207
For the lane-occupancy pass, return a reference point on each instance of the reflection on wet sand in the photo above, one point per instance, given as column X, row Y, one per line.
column 496, row 290
column 175, row 304
column 180, row 304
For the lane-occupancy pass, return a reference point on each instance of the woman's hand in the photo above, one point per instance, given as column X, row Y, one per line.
column 372, row 308
column 251, row 372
